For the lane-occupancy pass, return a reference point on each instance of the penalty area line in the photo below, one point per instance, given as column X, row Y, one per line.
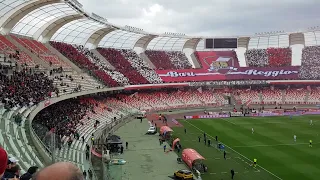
column 235, row 151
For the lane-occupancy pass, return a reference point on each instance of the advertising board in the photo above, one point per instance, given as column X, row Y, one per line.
column 236, row 114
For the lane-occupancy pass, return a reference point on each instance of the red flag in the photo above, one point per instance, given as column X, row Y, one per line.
column 200, row 89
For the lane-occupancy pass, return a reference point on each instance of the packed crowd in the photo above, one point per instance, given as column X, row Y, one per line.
column 179, row 60
column 310, row 63
column 117, row 60
column 141, row 66
column 24, row 88
column 84, row 62
column 10, row 170
column 60, row 118
column 168, row 59
column 103, row 66
column 271, row 57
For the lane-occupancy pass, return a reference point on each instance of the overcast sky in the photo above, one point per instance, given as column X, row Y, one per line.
column 209, row 17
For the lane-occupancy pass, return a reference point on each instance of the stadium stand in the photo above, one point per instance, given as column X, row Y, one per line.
column 272, row 96
column 103, row 66
column 168, row 59
column 116, row 58
column 12, row 52
column 83, row 62
column 141, row 66
column 248, row 96
column 310, row 64
column 314, row 96
column 42, row 52
column 270, row 57
column 295, row 96
column 24, row 88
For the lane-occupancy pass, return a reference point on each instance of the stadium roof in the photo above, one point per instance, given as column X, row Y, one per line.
column 67, row 21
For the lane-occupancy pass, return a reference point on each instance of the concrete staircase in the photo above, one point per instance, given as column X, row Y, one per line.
column 306, row 99
column 260, row 97
column 147, row 60
column 15, row 141
column 63, row 58
column 284, row 93
column 95, row 52
column 218, row 98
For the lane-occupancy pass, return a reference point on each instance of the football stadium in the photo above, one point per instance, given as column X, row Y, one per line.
column 82, row 98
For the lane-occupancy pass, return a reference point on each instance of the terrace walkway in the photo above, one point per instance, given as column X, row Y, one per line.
column 145, row 157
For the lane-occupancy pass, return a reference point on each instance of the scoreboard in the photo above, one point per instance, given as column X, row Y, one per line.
column 221, row 43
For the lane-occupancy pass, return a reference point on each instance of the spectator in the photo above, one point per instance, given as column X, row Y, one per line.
column 86, row 61
column 310, row 63
column 3, row 162
column 141, row 66
column 23, row 89
column 117, row 60
column 60, row 118
column 28, row 175
column 10, row 170
column 168, row 59
column 14, row 172
column 271, row 57
column 257, row 57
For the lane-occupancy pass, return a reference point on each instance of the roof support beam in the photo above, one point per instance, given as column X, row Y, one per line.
column 45, row 33
column 144, row 41
column 189, row 48
column 13, row 17
column 97, row 36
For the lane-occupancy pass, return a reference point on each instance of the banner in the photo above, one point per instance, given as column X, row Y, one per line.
column 236, row 114
column 268, row 114
column 313, row 112
column 241, row 73
column 207, row 116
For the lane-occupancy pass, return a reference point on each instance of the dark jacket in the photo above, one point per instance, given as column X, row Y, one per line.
column 29, row 173
column 26, row 176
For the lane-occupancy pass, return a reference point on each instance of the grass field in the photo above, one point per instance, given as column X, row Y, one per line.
column 272, row 144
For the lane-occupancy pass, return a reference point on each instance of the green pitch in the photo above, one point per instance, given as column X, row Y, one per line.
column 272, row 144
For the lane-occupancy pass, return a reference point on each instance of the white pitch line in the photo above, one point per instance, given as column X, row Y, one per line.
column 271, row 145
column 236, row 152
column 229, row 122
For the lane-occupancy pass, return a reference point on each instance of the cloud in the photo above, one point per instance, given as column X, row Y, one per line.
column 208, row 17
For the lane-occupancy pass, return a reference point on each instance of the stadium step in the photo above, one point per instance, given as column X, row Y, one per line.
column 63, row 58
column 307, row 96
column 30, row 142
column 36, row 59
column 95, row 52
